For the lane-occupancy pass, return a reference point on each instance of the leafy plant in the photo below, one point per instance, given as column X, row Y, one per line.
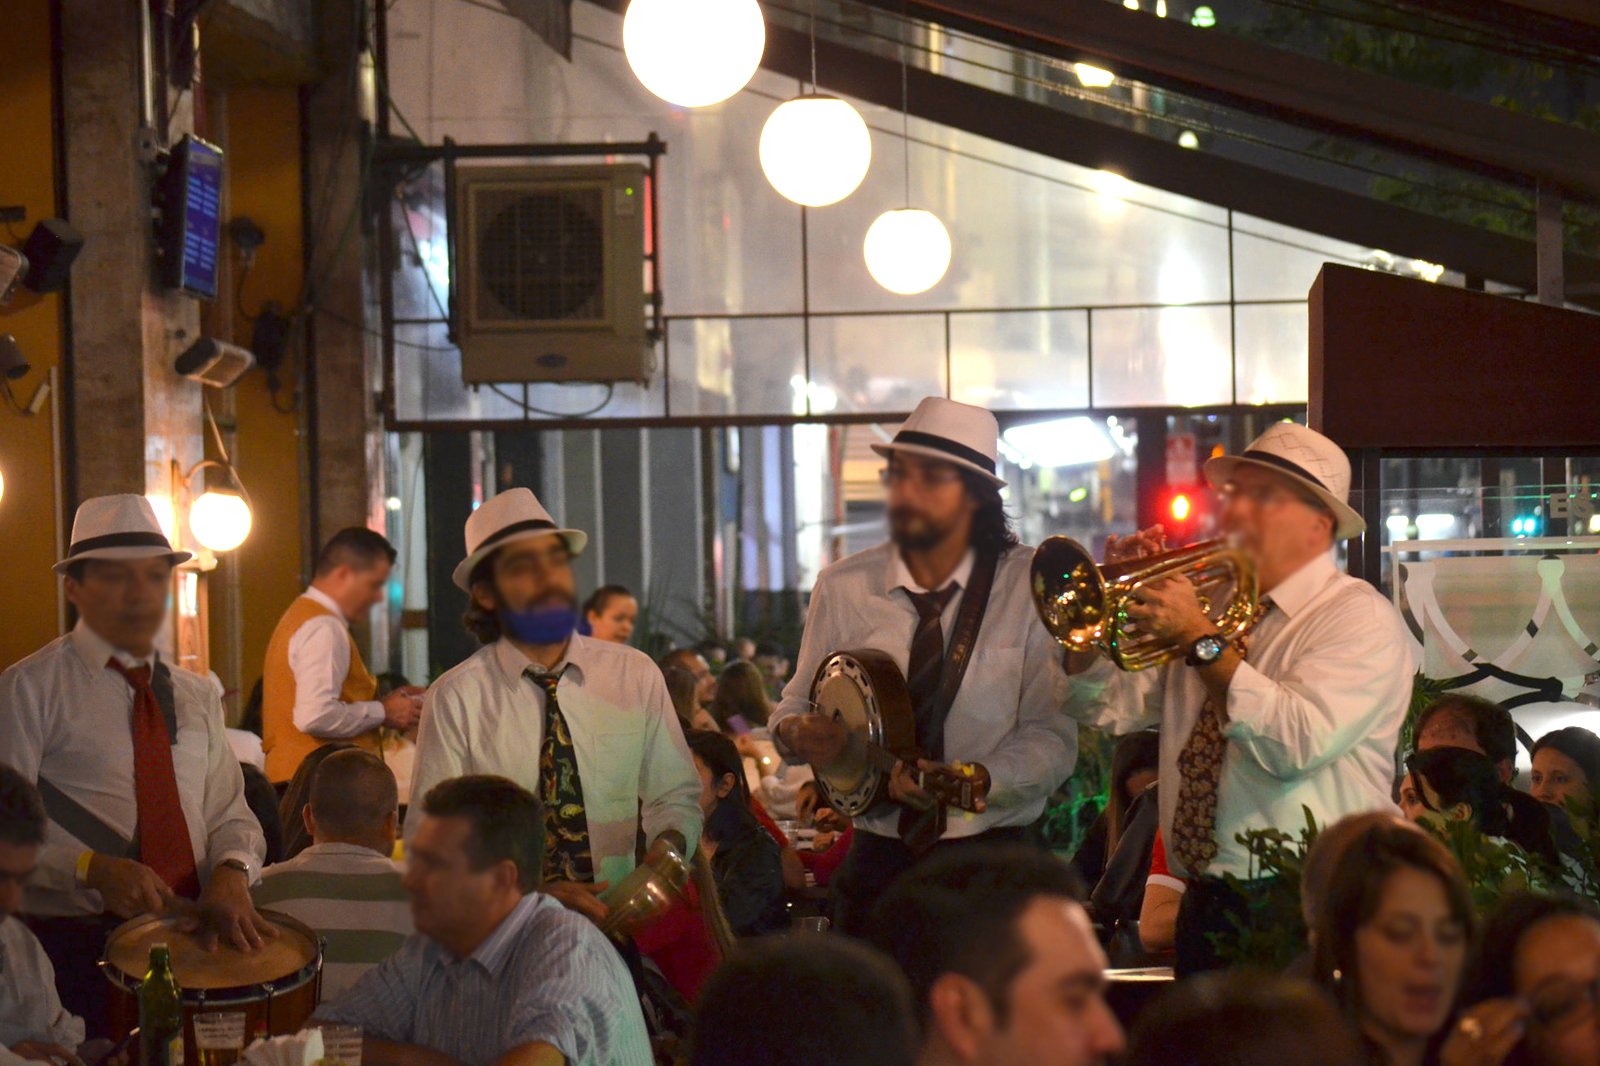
column 1077, row 803
column 1273, row 932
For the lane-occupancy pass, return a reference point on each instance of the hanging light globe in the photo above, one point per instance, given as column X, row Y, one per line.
column 815, row 149
column 694, row 53
column 907, row 250
column 220, row 521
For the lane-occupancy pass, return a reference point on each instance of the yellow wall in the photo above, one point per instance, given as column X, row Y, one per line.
column 29, row 509
column 264, row 183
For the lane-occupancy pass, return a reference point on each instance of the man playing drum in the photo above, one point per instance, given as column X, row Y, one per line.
column 948, row 532
column 145, row 799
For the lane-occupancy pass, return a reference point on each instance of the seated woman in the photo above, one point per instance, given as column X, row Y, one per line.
column 1135, row 763
column 1392, row 942
column 1534, row 994
column 683, row 690
column 745, row 860
column 1566, row 767
column 690, row 940
column 611, row 613
column 1457, row 785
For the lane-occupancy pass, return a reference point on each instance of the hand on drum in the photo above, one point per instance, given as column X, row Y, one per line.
column 1152, row 541
column 813, row 737
column 42, row 1051
column 580, row 897
column 1170, row 610
column 226, row 913
column 128, row 888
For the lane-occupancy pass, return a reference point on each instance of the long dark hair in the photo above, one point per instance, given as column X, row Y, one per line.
column 991, row 526
column 1460, row 775
column 732, row 815
column 1511, row 920
column 1134, row 752
column 1360, row 876
column 742, row 691
column 1579, row 745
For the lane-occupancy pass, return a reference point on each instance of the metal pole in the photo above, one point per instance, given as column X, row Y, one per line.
column 1548, row 240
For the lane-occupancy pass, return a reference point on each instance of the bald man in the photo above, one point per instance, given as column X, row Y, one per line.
column 346, row 886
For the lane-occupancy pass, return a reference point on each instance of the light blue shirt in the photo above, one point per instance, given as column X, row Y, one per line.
column 545, row 975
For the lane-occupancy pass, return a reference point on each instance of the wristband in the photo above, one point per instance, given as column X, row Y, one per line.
column 81, row 873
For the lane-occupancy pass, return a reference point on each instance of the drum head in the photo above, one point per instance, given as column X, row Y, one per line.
column 295, row 950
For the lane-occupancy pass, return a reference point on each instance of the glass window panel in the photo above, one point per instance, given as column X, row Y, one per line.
column 1272, row 344
column 1020, row 360
column 1274, row 262
column 876, row 362
column 735, row 366
column 1180, row 356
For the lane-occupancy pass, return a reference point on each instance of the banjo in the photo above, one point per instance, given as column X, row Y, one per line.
column 865, row 692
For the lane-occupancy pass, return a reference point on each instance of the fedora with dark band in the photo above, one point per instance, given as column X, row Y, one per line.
column 118, row 527
column 514, row 515
column 1305, row 455
column 958, row 433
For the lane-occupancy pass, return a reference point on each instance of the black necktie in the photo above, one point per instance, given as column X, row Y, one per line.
column 927, row 651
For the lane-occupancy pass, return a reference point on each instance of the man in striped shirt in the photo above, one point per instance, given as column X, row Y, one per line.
column 346, row 886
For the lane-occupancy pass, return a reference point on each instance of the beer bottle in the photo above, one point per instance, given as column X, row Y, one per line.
column 160, row 1013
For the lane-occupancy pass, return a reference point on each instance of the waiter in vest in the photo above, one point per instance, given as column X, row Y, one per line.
column 951, row 560
column 145, row 800
column 315, row 688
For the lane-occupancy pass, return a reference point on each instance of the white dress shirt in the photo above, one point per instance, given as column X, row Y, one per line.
column 30, row 1009
column 319, row 657
column 1314, row 715
column 1007, row 714
column 66, row 722
column 486, row 716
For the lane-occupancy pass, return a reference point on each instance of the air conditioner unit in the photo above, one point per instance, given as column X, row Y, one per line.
column 550, row 273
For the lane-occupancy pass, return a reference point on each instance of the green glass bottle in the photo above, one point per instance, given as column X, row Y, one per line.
column 160, row 1013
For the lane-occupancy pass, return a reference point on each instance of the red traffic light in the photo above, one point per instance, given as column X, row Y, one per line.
column 1180, row 507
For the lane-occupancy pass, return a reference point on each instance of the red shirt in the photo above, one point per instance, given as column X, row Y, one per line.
column 680, row 943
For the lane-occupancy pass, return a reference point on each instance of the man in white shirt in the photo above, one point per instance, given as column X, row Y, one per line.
column 315, row 688
column 346, row 885
column 145, row 799
column 33, row 1024
column 586, row 725
column 905, row 598
column 1306, row 711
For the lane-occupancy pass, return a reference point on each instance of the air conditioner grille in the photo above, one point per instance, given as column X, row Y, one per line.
column 541, row 255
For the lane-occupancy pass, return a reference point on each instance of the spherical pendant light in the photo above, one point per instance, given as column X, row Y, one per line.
column 907, row 250
column 219, row 520
column 694, row 53
column 815, row 149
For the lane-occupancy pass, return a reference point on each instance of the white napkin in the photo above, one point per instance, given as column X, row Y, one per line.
column 296, row 1049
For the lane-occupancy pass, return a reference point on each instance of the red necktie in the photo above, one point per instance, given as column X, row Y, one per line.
column 164, row 843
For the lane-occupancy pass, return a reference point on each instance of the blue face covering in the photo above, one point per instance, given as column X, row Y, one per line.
column 549, row 624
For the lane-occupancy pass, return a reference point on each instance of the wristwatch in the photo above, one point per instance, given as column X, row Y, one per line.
column 1205, row 651
column 235, row 864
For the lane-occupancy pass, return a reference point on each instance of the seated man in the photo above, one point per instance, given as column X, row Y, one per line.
column 497, row 972
column 854, row 1008
column 1004, row 966
column 33, row 1024
column 346, row 886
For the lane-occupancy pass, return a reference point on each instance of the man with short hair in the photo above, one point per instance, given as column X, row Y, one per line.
column 1003, row 962
column 1461, row 720
column 705, row 682
column 145, row 798
column 497, row 972
column 585, row 724
column 33, row 1024
column 315, row 687
column 346, row 886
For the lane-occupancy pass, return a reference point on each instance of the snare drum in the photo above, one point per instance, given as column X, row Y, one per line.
column 274, row 989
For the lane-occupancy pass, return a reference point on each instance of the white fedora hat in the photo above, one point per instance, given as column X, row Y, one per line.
column 958, row 433
column 1310, row 459
column 118, row 527
column 514, row 515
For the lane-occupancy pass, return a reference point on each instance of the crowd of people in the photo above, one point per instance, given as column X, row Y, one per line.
column 466, row 895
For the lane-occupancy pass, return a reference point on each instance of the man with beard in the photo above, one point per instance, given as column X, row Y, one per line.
column 585, row 725
column 948, row 531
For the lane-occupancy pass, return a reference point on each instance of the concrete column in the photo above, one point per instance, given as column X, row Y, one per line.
column 676, row 539
column 582, row 506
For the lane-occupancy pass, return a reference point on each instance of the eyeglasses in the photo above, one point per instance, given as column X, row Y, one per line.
column 926, row 479
column 1266, row 495
column 1561, row 1004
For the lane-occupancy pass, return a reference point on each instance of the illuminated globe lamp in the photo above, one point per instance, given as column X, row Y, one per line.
column 219, row 520
column 694, row 53
column 815, row 149
column 907, row 250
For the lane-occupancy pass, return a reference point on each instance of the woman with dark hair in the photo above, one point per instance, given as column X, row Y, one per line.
column 1459, row 785
column 611, row 613
column 1535, row 987
column 745, row 860
column 1135, row 762
column 1566, row 767
column 1392, row 942
column 1239, row 1018
column 741, row 702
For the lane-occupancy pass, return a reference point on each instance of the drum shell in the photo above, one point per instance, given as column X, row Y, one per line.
column 282, row 1004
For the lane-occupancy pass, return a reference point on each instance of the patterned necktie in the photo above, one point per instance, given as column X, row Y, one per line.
column 566, row 824
column 927, row 648
column 1194, row 823
column 163, row 833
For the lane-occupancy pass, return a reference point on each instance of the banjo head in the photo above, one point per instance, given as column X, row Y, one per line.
column 844, row 689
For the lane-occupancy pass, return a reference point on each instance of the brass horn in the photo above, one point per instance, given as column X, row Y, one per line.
column 1084, row 605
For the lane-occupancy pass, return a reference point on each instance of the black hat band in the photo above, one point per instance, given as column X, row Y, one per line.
column 946, row 445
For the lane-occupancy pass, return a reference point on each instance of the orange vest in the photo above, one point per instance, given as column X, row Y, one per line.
column 286, row 746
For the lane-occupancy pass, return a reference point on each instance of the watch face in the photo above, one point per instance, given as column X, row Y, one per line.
column 1208, row 649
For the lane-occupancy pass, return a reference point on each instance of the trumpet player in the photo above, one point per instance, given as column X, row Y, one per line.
column 1304, row 710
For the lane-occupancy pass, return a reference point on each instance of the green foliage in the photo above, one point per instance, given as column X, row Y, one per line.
column 1076, row 804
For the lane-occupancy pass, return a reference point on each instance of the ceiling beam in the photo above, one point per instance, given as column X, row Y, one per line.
column 1420, row 121
column 1566, row 25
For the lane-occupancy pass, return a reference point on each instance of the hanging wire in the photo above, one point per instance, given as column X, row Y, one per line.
column 812, row 7
column 905, row 98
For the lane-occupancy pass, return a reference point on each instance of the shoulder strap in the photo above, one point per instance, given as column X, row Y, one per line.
column 969, row 620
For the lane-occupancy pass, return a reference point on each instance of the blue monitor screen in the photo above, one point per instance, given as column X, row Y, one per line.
column 201, row 216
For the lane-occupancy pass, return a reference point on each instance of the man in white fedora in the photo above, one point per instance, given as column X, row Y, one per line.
column 145, row 799
column 1306, row 710
column 584, row 724
column 947, row 597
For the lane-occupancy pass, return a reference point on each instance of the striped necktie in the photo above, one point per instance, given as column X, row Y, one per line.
column 927, row 646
